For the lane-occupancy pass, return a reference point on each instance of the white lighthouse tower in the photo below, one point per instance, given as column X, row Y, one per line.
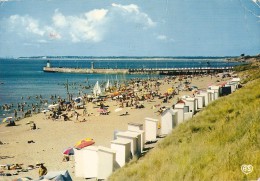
column 48, row 64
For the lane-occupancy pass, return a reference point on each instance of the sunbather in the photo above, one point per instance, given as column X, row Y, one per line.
column 42, row 170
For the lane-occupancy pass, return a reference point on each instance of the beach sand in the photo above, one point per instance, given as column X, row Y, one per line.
column 52, row 137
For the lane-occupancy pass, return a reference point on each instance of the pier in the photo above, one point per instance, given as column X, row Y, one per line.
column 181, row 71
column 85, row 70
column 159, row 71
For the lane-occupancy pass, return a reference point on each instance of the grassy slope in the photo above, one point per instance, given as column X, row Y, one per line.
column 211, row 146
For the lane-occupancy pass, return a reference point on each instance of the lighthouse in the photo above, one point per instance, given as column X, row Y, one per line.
column 48, row 64
column 92, row 65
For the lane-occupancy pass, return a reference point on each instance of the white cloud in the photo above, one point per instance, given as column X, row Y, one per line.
column 161, row 37
column 132, row 13
column 8, row 0
column 59, row 20
column 91, row 26
column 96, row 15
column 86, row 27
column 3, row 1
column 42, row 41
column 30, row 24
column 132, row 8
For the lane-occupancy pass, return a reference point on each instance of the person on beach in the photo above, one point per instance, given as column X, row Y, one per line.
column 85, row 111
column 42, row 170
column 76, row 115
column 33, row 125
column 15, row 114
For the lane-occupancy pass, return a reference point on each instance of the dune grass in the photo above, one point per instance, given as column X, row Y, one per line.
column 211, row 146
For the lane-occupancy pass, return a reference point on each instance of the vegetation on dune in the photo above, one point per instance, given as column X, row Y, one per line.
column 249, row 71
column 211, row 146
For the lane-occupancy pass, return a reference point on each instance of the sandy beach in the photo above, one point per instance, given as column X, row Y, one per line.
column 52, row 137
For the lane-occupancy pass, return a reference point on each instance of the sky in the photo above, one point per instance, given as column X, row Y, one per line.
column 129, row 28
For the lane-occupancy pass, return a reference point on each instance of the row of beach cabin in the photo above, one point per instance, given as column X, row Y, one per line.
column 99, row 162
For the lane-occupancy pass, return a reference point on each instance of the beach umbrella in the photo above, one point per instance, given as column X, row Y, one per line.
column 170, row 90
column 116, row 93
column 118, row 109
column 68, row 151
column 86, row 139
column 84, row 143
column 7, row 119
column 78, row 99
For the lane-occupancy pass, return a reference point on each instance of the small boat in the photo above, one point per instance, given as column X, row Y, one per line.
column 97, row 89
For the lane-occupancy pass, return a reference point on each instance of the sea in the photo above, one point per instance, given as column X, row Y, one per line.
column 23, row 81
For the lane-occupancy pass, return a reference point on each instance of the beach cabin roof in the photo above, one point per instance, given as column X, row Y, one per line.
column 190, row 99
column 179, row 106
column 120, row 141
column 168, row 110
column 151, row 119
column 181, row 101
column 127, row 134
column 214, row 87
column 235, row 80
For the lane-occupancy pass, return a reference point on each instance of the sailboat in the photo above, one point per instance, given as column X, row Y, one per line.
column 96, row 89
column 108, row 85
column 117, row 83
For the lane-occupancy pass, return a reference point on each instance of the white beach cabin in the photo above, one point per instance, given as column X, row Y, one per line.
column 123, row 151
column 196, row 104
column 139, row 128
column 151, row 129
column 180, row 108
column 169, row 120
column 191, row 103
column 86, row 162
column 106, row 160
column 216, row 91
column 201, row 101
column 232, row 85
column 211, row 95
column 142, row 134
column 94, row 162
column 206, row 97
column 134, row 139
column 235, row 80
column 188, row 115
